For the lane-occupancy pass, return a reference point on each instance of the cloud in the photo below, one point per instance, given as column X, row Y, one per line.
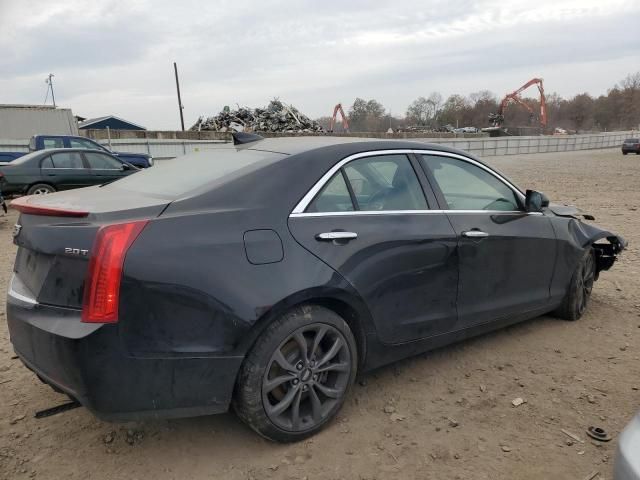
column 116, row 57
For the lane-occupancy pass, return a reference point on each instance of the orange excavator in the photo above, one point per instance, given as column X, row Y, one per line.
column 332, row 122
column 497, row 119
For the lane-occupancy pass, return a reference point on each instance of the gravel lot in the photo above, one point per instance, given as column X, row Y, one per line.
column 449, row 413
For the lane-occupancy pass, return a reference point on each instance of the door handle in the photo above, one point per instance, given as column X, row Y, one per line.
column 475, row 234
column 337, row 236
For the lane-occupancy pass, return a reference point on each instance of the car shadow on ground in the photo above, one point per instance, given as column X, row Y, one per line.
column 226, row 429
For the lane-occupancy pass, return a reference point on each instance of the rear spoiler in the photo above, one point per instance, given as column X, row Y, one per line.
column 25, row 205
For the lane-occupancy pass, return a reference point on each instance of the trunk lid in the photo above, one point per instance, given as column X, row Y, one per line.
column 55, row 234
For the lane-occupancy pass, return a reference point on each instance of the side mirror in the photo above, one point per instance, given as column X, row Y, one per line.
column 535, row 201
column 126, row 166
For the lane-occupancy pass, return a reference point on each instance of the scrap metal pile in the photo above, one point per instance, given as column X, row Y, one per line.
column 276, row 117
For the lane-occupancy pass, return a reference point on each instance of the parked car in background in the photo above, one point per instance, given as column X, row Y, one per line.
column 48, row 171
column 43, row 142
column 627, row 466
column 40, row 142
column 631, row 145
column 266, row 277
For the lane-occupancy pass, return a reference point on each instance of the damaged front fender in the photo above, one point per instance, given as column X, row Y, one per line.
column 606, row 252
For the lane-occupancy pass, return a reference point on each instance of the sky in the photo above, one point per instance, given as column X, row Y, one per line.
column 116, row 57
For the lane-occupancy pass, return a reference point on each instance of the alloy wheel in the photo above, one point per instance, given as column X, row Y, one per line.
column 306, row 377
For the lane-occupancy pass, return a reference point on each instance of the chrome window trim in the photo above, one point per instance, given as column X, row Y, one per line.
column 409, row 212
column 299, row 209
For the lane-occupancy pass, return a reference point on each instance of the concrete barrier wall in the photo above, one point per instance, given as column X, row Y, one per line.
column 490, row 147
column 481, row 147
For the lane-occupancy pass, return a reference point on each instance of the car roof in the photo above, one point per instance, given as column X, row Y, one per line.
column 346, row 145
column 67, row 150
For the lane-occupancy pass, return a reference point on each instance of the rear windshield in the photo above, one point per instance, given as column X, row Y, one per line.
column 632, row 140
column 177, row 177
column 26, row 158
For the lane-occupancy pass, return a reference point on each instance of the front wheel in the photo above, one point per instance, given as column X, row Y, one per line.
column 577, row 298
column 296, row 377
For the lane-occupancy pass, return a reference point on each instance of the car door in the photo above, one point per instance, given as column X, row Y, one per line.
column 506, row 255
column 368, row 219
column 104, row 168
column 65, row 170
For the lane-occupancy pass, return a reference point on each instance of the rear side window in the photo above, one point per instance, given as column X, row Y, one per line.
column 385, row 182
column 334, row 197
column 67, row 160
column 53, row 143
column 100, row 161
column 46, row 163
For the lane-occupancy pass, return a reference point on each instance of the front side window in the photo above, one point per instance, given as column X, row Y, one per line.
column 67, row 160
column 466, row 186
column 384, row 182
column 99, row 161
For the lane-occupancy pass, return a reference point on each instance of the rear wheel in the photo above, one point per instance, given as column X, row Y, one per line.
column 40, row 189
column 577, row 298
column 296, row 377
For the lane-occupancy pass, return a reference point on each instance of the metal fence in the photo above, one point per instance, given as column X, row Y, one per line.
column 482, row 147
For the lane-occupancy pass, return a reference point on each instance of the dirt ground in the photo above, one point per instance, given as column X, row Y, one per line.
column 449, row 413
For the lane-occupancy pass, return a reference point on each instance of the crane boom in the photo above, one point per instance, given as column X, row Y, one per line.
column 497, row 119
column 332, row 122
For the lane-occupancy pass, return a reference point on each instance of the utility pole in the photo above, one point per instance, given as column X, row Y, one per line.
column 180, row 106
column 49, row 82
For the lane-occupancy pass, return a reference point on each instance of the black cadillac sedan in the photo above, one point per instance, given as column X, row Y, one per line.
column 48, row 171
column 268, row 274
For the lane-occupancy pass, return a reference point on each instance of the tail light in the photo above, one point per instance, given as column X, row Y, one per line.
column 102, row 285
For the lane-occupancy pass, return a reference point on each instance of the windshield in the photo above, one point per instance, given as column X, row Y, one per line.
column 632, row 140
column 174, row 178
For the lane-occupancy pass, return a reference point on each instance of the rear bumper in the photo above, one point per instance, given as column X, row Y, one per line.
column 630, row 149
column 88, row 363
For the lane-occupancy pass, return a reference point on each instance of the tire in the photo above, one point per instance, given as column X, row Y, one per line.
column 287, row 396
column 624, row 153
column 40, row 189
column 577, row 298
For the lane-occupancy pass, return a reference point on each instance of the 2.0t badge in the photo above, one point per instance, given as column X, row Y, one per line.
column 76, row 251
